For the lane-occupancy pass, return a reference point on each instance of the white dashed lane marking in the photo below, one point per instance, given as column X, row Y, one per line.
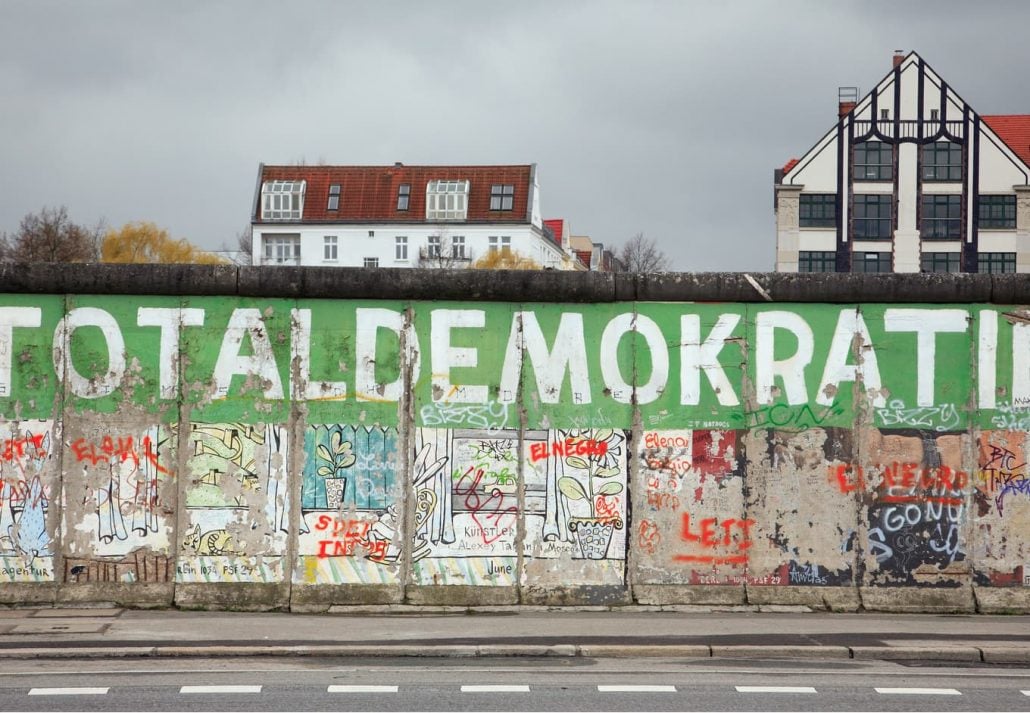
column 68, row 691
column 919, row 691
column 636, row 689
column 220, row 689
column 775, row 689
column 495, row 689
column 362, row 689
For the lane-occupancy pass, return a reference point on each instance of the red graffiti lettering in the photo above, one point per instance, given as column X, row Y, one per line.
column 568, row 447
column 711, row 533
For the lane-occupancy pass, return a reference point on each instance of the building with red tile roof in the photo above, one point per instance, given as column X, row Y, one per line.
column 399, row 216
column 910, row 178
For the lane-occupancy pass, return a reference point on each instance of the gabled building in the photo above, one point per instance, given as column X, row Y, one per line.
column 399, row 216
column 910, row 178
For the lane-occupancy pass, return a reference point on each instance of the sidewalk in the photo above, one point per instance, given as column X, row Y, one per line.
column 514, row 631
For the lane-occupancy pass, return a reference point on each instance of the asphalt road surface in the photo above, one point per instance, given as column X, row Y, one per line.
column 506, row 684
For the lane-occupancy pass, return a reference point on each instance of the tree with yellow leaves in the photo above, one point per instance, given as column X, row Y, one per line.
column 144, row 242
column 505, row 259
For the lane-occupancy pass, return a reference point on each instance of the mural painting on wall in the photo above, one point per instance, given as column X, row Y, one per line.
column 236, row 503
column 350, row 506
column 26, row 543
column 467, row 494
column 123, row 480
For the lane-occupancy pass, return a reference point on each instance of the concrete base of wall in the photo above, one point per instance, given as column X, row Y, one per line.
column 25, row 594
column 238, row 597
column 1002, row 600
column 598, row 595
column 840, row 599
column 139, row 595
column 461, row 595
column 931, row 600
column 661, row 594
column 329, row 594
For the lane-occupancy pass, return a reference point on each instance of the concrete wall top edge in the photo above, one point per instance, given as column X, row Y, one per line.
column 509, row 286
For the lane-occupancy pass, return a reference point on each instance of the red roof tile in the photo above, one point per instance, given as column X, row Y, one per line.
column 1014, row 130
column 584, row 256
column 789, row 165
column 369, row 193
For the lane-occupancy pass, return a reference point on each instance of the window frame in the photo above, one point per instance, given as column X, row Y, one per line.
column 499, row 242
column 458, row 241
column 821, row 209
column 862, row 200
column 403, row 196
column 929, row 261
column 931, row 166
column 330, row 243
column 282, row 200
column 433, row 246
column 400, row 245
column 817, row 261
column 502, row 196
column 334, row 197
column 371, row 262
column 930, row 224
column 991, row 260
column 865, row 261
column 880, row 171
column 447, row 200
column 987, row 202
column 273, row 252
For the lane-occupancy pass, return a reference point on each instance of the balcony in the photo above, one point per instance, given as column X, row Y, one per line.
column 908, row 129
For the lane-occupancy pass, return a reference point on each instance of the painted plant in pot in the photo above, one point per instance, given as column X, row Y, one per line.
column 334, row 460
column 591, row 475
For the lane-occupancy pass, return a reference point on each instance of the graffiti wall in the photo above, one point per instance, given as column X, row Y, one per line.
column 648, row 451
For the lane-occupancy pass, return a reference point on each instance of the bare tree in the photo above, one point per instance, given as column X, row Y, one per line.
column 641, row 254
column 51, row 236
column 245, row 246
column 445, row 252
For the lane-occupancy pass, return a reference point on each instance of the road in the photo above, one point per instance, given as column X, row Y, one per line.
column 513, row 684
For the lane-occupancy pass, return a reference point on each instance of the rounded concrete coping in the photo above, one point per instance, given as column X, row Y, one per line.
column 508, row 285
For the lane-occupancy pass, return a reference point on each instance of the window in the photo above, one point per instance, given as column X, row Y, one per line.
column 871, row 262
column 996, row 262
column 942, row 161
column 940, row 262
column 503, row 241
column 458, row 247
column 371, row 262
column 872, row 219
column 282, row 249
column 334, row 197
column 434, row 246
column 941, row 217
column 502, row 197
column 447, row 200
column 873, row 161
column 400, row 247
column 403, row 196
column 818, row 210
column 809, row 261
column 997, row 212
column 935, row 115
column 329, row 248
column 282, row 200
column 885, row 113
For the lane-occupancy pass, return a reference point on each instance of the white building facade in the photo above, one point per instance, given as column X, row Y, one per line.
column 910, row 179
column 399, row 216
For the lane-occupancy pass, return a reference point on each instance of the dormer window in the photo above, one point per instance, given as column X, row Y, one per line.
column 334, row 197
column 447, row 200
column 403, row 196
column 282, row 200
column 502, row 197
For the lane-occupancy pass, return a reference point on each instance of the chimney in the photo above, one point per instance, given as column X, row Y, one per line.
column 899, row 57
column 847, row 98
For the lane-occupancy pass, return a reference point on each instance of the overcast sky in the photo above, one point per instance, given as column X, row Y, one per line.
column 661, row 117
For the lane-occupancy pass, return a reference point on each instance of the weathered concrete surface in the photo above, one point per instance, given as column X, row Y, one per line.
column 262, row 438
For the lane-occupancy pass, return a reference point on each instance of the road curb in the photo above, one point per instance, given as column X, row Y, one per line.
column 781, row 652
column 923, row 653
